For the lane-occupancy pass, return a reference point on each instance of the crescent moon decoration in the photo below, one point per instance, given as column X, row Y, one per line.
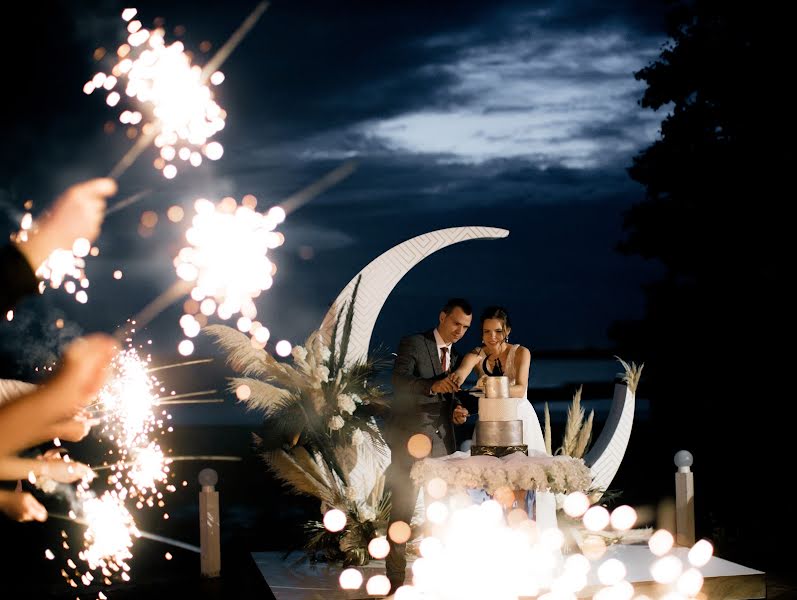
column 383, row 273
column 608, row 450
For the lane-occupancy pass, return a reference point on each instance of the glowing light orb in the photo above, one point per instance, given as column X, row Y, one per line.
column 350, row 579
column 378, row 547
column 611, row 571
column 661, row 542
column 419, row 445
column 334, row 520
column 623, row 517
column 690, row 582
column 378, row 585
column 576, row 504
column 666, row 569
column 596, row 518
column 700, row 553
column 399, row 532
column 283, row 348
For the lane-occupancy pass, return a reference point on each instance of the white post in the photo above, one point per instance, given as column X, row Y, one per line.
column 209, row 537
column 684, row 499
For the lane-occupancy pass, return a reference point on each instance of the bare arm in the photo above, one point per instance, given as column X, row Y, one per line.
column 77, row 382
column 470, row 360
column 57, row 469
column 523, row 358
column 77, row 213
column 21, row 506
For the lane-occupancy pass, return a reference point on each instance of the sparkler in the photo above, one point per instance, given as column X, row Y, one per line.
column 139, row 533
column 63, row 266
column 186, row 363
column 166, row 85
column 227, row 265
column 171, row 459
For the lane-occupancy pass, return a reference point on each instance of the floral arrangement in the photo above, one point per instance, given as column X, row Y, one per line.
column 319, row 434
column 558, row 474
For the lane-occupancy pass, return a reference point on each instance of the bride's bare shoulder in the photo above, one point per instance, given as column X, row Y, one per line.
column 477, row 351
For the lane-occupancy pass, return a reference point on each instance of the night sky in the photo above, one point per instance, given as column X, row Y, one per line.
column 521, row 115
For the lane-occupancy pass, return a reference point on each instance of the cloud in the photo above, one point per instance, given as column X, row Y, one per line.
column 539, row 98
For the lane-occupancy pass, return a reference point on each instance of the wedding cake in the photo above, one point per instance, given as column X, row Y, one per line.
column 498, row 432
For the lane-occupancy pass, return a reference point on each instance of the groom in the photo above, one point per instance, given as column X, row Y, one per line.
column 423, row 402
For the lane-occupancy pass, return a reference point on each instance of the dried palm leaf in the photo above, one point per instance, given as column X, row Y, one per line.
column 283, row 428
column 295, row 477
column 346, row 335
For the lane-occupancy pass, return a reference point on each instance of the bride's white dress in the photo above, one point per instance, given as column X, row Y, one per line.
column 532, row 432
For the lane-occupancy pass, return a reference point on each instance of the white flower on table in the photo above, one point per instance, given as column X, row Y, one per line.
column 357, row 437
column 336, row 422
column 346, row 403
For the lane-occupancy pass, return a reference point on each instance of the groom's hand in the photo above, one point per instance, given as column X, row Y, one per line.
column 460, row 415
column 444, row 386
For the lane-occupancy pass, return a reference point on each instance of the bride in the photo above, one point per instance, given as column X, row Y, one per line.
column 496, row 356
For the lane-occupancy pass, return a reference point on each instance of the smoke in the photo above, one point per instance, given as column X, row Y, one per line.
column 34, row 340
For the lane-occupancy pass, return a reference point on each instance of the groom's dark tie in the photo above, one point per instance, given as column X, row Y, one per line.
column 444, row 358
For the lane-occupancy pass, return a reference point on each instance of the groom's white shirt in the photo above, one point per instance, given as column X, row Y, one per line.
column 440, row 345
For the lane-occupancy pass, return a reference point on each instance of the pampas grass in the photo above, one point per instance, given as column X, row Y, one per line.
column 575, row 416
column 263, row 396
column 584, row 437
column 632, row 374
column 577, row 432
column 547, row 435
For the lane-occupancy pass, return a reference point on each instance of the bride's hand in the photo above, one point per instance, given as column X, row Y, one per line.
column 455, row 378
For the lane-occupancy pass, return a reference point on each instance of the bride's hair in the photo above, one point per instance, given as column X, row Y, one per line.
column 497, row 312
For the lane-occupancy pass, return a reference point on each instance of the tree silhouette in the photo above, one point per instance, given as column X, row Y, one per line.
column 714, row 215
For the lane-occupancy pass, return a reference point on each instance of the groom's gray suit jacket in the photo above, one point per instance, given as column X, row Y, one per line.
column 414, row 408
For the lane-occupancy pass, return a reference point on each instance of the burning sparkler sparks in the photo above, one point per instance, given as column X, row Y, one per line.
column 171, row 91
column 62, row 267
column 227, row 264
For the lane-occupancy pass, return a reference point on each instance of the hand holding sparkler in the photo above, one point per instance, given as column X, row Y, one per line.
column 48, row 466
column 82, row 373
column 21, row 506
column 73, row 429
column 75, row 215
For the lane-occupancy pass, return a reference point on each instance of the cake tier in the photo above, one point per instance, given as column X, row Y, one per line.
column 498, row 433
column 499, row 409
column 496, row 387
column 498, row 451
